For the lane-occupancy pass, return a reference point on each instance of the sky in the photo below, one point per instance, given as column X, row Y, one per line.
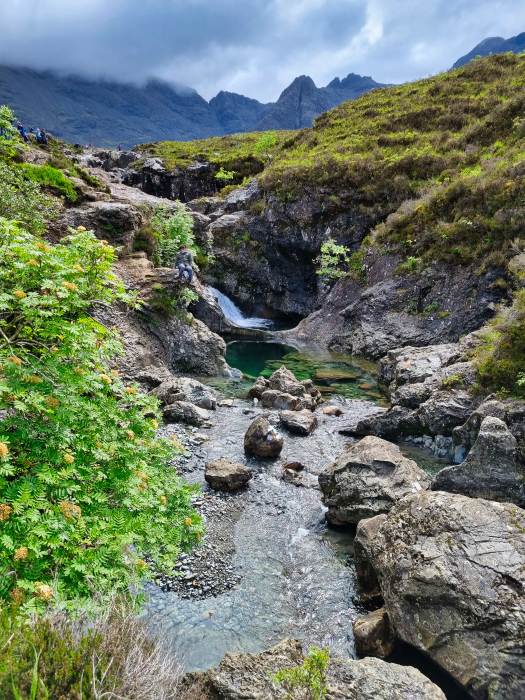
column 255, row 47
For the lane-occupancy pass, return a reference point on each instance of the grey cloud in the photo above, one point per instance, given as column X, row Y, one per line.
column 252, row 46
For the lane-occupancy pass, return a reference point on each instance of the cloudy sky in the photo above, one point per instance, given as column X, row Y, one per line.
column 255, row 47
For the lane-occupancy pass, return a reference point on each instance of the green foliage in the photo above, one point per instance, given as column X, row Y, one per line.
column 171, row 231
column 54, row 179
column 23, row 199
column 8, row 134
column 172, row 304
column 266, row 144
column 500, row 358
column 411, row 264
column 334, row 260
column 85, row 490
column 453, row 381
column 309, row 678
column 224, row 175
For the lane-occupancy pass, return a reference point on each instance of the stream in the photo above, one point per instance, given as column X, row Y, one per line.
column 269, row 567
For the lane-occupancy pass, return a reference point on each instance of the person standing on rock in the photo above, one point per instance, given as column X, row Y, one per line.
column 184, row 263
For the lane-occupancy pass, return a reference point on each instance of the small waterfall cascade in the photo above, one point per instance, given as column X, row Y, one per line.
column 235, row 315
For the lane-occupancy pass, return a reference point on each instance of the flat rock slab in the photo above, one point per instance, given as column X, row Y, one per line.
column 299, row 422
column 225, row 475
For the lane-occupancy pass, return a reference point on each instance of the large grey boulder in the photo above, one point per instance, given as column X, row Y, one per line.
column 368, row 479
column 251, row 677
column 451, row 571
column 184, row 412
column 280, row 400
column 185, row 389
column 225, row 475
column 491, row 469
column 262, row 439
column 299, row 422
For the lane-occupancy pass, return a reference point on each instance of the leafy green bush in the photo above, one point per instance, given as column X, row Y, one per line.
column 500, row 358
column 9, row 137
column 48, row 176
column 111, row 655
column 85, row 491
column 172, row 304
column 334, row 260
column 224, row 175
column 171, row 231
column 308, row 678
column 23, row 200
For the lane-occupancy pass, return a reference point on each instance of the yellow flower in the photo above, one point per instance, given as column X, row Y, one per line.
column 188, row 522
column 19, row 294
column 130, row 434
column 141, row 564
column 43, row 591
column 131, row 390
column 70, row 510
column 78, row 268
column 52, row 402
column 154, row 424
column 33, row 262
column 105, row 378
column 5, row 511
column 21, row 553
column 4, row 450
column 81, row 228
column 34, row 379
column 43, row 247
column 15, row 360
column 17, row 596
column 163, row 500
column 69, row 458
column 71, row 286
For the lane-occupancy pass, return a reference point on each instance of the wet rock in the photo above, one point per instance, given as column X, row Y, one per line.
column 279, row 400
column 294, row 466
column 251, row 676
column 227, row 403
column 185, row 389
column 445, row 410
column 451, row 573
column 332, row 411
column 225, row 475
column 260, row 386
column 373, row 634
column 284, row 380
column 262, row 439
column 491, row 469
column 184, row 412
column 368, row 479
column 299, row 422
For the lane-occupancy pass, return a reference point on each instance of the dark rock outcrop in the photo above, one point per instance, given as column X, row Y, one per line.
column 225, row 475
column 368, row 479
column 262, row 439
column 451, row 571
column 251, row 677
column 491, row 469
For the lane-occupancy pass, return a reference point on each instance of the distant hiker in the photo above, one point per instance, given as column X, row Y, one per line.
column 42, row 137
column 184, row 263
column 119, row 147
column 22, row 131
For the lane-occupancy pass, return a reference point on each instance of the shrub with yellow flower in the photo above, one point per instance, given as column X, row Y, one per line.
column 69, row 458
column 4, row 450
column 43, row 592
column 70, row 510
column 21, row 553
column 5, row 511
column 19, row 294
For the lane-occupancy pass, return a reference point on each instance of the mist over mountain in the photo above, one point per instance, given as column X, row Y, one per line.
column 107, row 113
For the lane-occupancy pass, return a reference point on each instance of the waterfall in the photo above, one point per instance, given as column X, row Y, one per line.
column 235, row 315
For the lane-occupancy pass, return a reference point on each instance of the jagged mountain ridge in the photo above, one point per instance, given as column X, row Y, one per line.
column 492, row 45
column 105, row 113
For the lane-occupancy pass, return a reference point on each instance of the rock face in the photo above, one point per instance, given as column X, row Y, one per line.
column 451, row 571
column 185, row 389
column 262, row 440
column 368, row 479
column 299, row 422
column 225, row 475
column 184, row 412
column 250, row 677
column 491, row 469
column 373, row 634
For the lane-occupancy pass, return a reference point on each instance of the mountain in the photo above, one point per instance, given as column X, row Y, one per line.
column 106, row 113
column 492, row 45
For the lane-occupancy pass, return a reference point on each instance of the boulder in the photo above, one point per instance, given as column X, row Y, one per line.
column 184, row 412
column 451, row 571
column 491, row 469
column 185, row 389
column 260, row 386
column 332, row 411
column 225, row 475
column 271, row 398
column 116, row 222
column 299, row 422
column 251, row 677
column 262, row 439
column 285, row 381
column 373, row 634
column 294, row 466
column 368, row 479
